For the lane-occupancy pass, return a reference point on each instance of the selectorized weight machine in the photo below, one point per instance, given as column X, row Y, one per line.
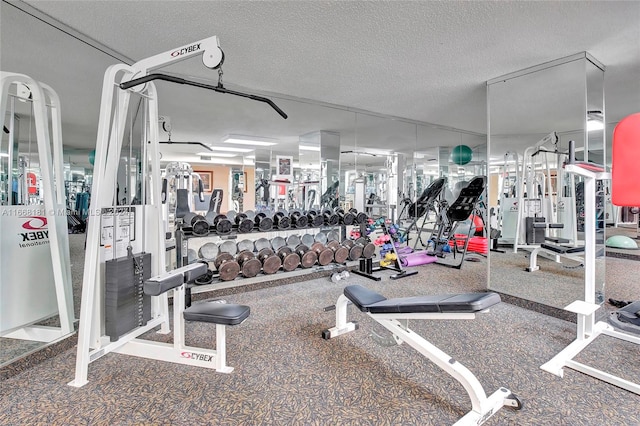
column 129, row 241
column 34, row 234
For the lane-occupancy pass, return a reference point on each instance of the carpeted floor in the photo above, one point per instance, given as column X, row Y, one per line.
column 286, row 374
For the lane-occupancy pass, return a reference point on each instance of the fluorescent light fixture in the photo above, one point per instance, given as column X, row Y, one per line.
column 309, row 148
column 249, row 140
column 216, row 154
column 4, row 154
column 594, row 125
column 595, row 120
column 228, row 149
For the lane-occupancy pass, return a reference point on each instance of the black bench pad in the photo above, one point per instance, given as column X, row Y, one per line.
column 217, row 313
column 562, row 249
column 157, row 285
column 370, row 301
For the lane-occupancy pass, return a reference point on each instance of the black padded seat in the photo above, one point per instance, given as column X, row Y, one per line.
column 217, row 313
column 362, row 297
column 562, row 249
column 370, row 301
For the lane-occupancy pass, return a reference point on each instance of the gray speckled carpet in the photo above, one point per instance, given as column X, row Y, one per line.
column 286, row 374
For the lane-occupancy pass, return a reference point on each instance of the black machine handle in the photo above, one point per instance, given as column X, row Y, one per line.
column 200, row 191
column 219, row 88
column 163, row 194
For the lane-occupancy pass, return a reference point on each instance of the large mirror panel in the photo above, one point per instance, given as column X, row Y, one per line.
column 533, row 202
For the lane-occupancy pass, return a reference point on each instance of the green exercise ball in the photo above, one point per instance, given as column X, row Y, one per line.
column 621, row 242
column 92, row 157
column 461, row 155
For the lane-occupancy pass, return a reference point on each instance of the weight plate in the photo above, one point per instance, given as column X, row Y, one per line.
column 341, row 254
column 229, row 270
column 264, row 253
column 327, row 211
column 245, row 226
column 333, row 220
column 262, row 243
column 355, row 252
column 317, row 247
column 231, row 215
column 251, row 268
column 348, row 243
column 333, row 244
column 321, row 237
column 239, row 218
column 301, row 249
column 245, row 245
column 353, row 211
column 368, row 251
column 348, row 218
column 223, row 226
column 282, row 251
column 317, row 221
column 243, row 256
column 309, row 259
column 208, row 251
column 333, row 236
column 266, row 224
column 228, row 246
column 271, row 264
column 293, row 241
column 301, row 222
column 221, row 258
column 308, row 240
column 361, row 218
column 278, row 242
column 325, row 257
column 361, row 241
column 290, row 262
column 250, row 214
column 284, row 222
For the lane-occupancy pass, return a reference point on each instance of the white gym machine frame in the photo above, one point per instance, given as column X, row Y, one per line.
column 92, row 343
column 587, row 327
column 48, row 130
column 547, row 203
column 482, row 407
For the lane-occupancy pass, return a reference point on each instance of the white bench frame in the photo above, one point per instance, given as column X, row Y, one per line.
column 482, row 407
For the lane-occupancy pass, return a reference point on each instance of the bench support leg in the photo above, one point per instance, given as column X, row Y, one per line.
column 342, row 326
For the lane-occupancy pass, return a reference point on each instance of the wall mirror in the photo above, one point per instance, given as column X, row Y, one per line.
column 531, row 198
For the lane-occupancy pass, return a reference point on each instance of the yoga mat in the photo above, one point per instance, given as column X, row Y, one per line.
column 417, row 259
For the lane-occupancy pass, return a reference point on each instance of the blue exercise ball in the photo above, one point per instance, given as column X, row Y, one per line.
column 461, row 155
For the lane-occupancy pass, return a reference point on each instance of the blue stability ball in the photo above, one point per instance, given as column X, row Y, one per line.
column 461, row 155
column 92, row 157
column 621, row 242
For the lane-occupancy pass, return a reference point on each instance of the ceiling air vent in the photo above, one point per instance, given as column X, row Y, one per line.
column 205, row 158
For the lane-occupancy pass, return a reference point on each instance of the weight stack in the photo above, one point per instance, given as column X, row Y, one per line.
column 126, row 305
column 534, row 235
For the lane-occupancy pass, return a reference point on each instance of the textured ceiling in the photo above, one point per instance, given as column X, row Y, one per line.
column 425, row 61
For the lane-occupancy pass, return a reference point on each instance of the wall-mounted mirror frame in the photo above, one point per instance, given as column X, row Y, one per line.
column 529, row 128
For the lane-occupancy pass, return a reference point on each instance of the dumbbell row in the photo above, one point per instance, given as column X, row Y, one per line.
column 269, row 262
column 249, row 221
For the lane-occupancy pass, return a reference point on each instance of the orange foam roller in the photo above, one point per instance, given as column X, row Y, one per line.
column 625, row 190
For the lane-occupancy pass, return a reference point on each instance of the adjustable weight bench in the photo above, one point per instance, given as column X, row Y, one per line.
column 391, row 312
column 558, row 252
column 220, row 314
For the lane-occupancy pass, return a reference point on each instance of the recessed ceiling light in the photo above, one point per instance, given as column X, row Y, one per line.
column 249, row 140
column 216, row 154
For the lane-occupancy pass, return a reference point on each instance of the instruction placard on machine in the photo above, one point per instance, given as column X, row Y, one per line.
column 117, row 230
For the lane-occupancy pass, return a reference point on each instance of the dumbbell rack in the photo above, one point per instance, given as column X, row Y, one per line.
column 366, row 268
